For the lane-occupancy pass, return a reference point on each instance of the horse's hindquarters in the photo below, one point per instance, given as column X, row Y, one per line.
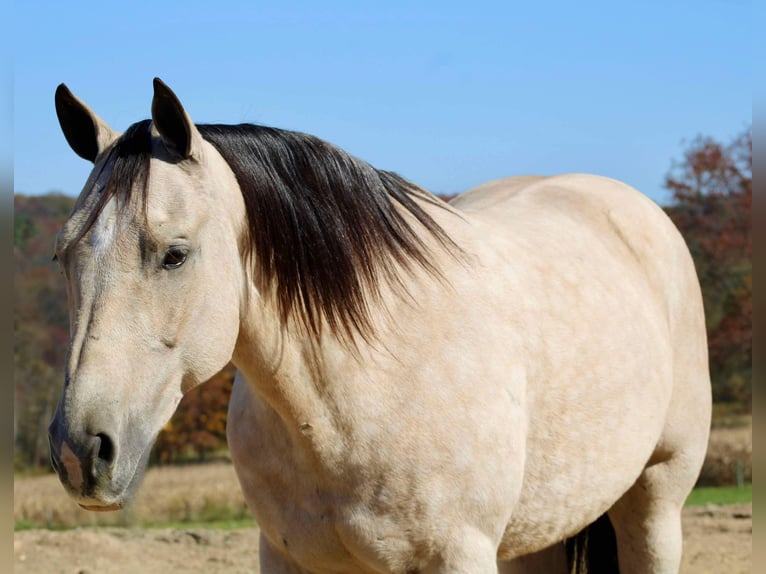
column 612, row 322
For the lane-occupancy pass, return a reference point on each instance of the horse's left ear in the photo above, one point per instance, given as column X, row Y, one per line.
column 87, row 134
column 173, row 124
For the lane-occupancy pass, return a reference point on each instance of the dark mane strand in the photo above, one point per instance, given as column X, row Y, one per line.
column 128, row 162
column 325, row 227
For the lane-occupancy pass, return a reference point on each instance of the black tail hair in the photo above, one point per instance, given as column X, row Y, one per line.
column 594, row 549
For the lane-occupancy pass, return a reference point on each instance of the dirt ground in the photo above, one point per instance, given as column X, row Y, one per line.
column 718, row 539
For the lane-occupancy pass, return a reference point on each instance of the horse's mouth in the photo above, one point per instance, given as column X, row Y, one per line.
column 106, row 508
column 113, row 495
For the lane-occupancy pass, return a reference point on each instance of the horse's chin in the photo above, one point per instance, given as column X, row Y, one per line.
column 106, row 508
column 118, row 494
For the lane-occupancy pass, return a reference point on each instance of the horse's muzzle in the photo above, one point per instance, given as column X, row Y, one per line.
column 83, row 461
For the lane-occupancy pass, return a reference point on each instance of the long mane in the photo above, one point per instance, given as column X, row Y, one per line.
column 326, row 229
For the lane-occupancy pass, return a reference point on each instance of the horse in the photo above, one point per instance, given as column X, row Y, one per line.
column 422, row 387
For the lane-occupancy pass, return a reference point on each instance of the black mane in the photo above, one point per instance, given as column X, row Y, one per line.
column 325, row 228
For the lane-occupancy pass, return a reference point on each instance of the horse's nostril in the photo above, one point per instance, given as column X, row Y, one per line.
column 106, row 448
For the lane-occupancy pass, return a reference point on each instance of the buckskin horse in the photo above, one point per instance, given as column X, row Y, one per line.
column 423, row 387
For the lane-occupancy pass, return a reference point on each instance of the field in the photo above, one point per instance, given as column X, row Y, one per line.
column 193, row 519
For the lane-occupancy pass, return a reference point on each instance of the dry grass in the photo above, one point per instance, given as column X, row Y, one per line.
column 730, row 452
column 169, row 494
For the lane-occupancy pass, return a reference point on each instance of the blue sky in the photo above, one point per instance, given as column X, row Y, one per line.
column 448, row 94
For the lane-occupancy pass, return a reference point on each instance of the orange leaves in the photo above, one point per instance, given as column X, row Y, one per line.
column 198, row 428
column 713, row 193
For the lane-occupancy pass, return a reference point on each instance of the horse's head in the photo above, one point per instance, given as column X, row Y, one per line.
column 151, row 257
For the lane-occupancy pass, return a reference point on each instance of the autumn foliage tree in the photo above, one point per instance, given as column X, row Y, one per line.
column 197, row 430
column 41, row 324
column 712, row 189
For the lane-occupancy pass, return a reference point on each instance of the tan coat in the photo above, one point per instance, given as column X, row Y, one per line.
column 555, row 370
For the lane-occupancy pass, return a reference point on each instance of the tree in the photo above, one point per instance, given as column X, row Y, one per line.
column 41, row 324
column 198, row 427
column 712, row 204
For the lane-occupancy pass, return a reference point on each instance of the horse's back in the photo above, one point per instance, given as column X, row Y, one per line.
column 632, row 226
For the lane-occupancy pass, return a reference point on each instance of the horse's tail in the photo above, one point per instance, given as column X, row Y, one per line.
column 594, row 549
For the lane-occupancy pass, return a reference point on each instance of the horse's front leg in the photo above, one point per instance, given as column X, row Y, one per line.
column 472, row 552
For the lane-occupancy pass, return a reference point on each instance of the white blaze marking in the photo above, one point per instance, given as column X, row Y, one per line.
column 104, row 230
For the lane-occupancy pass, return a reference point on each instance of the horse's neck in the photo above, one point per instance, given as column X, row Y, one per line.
column 294, row 388
column 303, row 378
column 281, row 362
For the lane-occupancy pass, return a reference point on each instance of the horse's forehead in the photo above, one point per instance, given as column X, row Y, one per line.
column 173, row 202
column 174, row 194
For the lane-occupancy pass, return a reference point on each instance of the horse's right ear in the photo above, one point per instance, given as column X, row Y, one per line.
column 88, row 135
column 173, row 124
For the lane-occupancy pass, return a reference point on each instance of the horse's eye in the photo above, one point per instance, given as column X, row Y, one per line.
column 174, row 257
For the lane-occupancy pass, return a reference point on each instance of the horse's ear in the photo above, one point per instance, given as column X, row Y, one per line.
column 172, row 122
column 88, row 135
